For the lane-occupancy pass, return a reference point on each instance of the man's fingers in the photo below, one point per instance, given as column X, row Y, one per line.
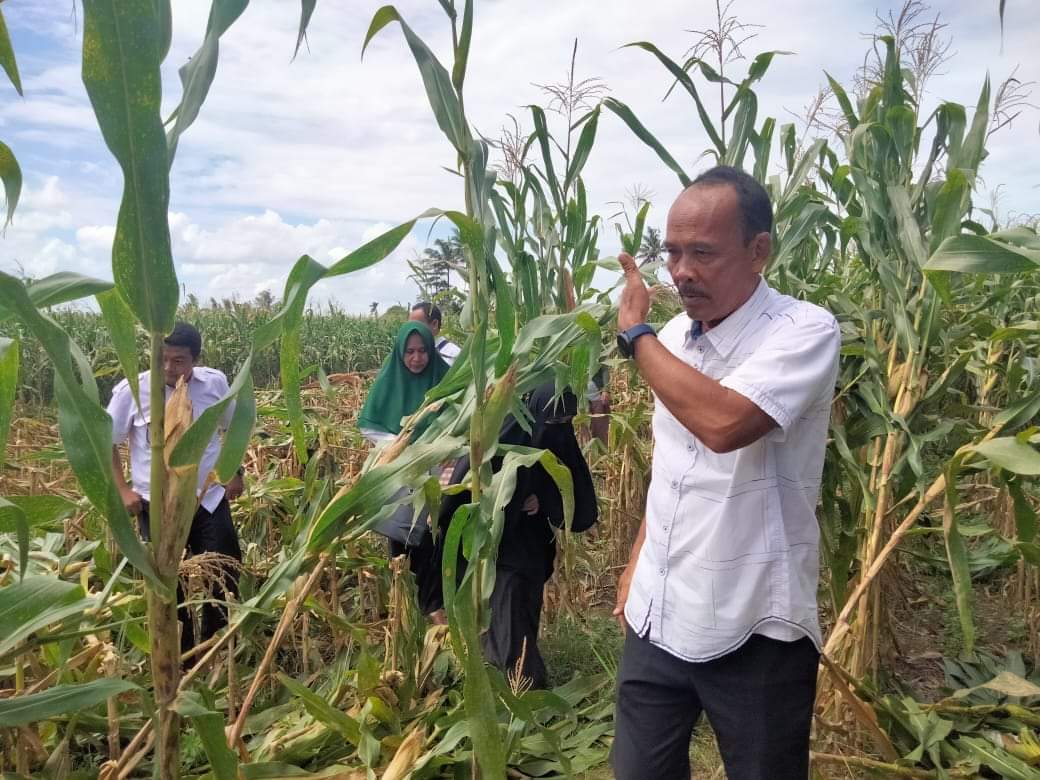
column 628, row 265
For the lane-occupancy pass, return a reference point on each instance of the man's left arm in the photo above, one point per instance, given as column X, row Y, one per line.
column 769, row 390
column 720, row 417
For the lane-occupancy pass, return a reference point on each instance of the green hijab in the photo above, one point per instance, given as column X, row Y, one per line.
column 397, row 392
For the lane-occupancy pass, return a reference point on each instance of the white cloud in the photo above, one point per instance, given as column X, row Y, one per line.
column 324, row 153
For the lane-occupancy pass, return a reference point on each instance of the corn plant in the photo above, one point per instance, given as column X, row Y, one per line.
column 10, row 172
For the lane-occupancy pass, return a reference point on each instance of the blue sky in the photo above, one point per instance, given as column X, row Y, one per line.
column 320, row 154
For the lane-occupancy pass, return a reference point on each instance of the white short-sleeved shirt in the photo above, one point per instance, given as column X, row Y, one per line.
column 448, row 350
column 732, row 541
column 205, row 388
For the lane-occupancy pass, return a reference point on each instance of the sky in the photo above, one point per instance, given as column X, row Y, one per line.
column 322, row 153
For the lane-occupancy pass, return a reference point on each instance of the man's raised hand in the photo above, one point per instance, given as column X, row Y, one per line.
column 634, row 304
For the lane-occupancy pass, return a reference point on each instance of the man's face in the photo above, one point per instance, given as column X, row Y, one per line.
column 418, row 315
column 177, row 363
column 714, row 269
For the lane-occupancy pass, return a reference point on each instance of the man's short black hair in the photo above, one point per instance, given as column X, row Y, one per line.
column 185, row 335
column 756, row 211
column 430, row 310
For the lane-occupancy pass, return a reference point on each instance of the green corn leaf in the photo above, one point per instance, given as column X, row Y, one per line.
column 7, row 60
column 9, row 353
column 121, row 59
column 1003, row 763
column 582, row 150
column 742, row 130
column 119, row 321
column 306, row 12
column 40, row 511
column 60, row 700
column 644, row 135
column 458, row 72
column 274, row 770
column 982, row 255
column 957, row 555
column 11, row 176
column 32, row 597
column 86, row 429
column 197, row 73
column 505, row 315
column 59, row 288
column 1010, row 454
column 541, row 133
column 303, row 276
column 346, row 726
column 1020, row 413
column 972, row 152
column 910, row 237
column 478, row 696
column 370, row 499
column 439, row 89
column 843, row 101
column 681, row 75
column 951, row 204
column 35, row 603
column 209, row 726
column 12, row 516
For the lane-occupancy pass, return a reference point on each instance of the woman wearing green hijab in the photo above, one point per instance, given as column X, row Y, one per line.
column 407, row 375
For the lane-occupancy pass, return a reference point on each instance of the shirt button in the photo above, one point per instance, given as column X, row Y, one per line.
column 675, row 484
column 661, row 572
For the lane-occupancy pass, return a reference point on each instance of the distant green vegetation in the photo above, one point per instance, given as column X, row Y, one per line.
column 329, row 337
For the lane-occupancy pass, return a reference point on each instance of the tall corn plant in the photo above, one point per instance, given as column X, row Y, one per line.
column 905, row 210
column 507, row 353
column 10, row 172
column 124, row 44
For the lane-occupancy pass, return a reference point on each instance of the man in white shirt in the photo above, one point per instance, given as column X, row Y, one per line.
column 212, row 529
column 719, row 596
column 430, row 315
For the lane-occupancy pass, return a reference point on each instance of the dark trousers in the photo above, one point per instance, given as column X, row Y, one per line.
column 516, row 610
column 758, row 699
column 210, row 532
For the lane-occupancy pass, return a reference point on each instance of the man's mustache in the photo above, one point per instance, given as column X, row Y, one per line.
column 692, row 290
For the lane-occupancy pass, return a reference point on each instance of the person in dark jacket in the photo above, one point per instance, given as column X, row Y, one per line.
column 527, row 551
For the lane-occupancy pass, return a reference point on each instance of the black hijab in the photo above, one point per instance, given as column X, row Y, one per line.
column 552, row 429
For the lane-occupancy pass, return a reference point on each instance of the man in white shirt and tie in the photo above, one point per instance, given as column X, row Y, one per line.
column 719, row 596
column 430, row 315
column 212, row 529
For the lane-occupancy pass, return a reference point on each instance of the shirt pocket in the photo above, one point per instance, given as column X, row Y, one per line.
column 141, row 428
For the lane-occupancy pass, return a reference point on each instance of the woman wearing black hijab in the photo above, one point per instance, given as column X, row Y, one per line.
column 527, row 551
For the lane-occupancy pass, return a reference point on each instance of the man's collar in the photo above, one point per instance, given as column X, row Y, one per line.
column 724, row 336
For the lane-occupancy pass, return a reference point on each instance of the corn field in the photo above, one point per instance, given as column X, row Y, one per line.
column 327, row 669
column 332, row 340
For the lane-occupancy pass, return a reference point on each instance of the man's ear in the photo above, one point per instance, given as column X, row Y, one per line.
column 761, row 249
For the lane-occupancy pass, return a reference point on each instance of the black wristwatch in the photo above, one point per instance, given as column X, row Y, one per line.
column 626, row 339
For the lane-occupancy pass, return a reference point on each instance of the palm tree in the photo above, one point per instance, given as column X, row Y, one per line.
column 651, row 250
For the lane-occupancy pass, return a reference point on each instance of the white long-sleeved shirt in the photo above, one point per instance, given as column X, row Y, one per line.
column 205, row 388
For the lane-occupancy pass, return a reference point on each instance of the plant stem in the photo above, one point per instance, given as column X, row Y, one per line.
column 889, row 770
column 163, row 627
column 279, row 634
